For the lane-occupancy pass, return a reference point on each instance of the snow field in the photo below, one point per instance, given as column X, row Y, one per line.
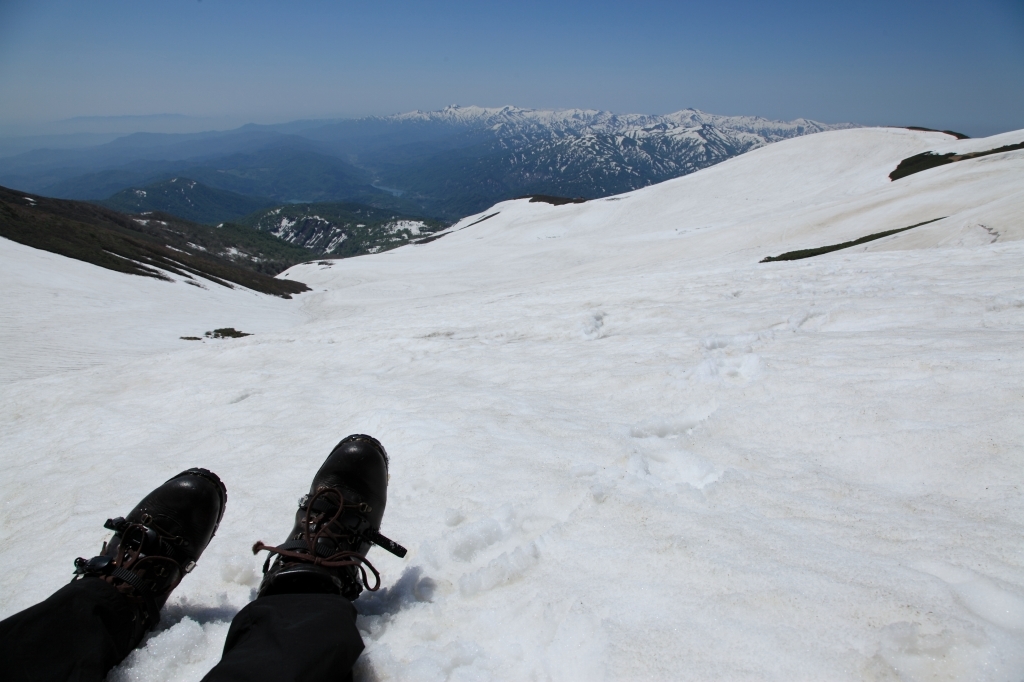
column 59, row 314
column 621, row 448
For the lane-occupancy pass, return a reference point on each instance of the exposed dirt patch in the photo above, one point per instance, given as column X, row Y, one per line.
column 427, row 240
column 435, row 237
column 921, row 162
column 554, row 201
column 486, row 217
column 959, row 136
column 225, row 333
column 810, row 253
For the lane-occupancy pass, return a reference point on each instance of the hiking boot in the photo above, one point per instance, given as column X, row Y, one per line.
column 334, row 526
column 159, row 541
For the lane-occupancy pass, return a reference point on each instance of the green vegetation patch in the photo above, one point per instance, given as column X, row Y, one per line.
column 810, row 253
column 342, row 230
column 186, row 199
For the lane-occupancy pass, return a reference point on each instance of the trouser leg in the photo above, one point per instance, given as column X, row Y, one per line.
column 78, row 634
column 291, row 637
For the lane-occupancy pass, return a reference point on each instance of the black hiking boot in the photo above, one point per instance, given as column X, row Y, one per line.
column 159, row 541
column 334, row 526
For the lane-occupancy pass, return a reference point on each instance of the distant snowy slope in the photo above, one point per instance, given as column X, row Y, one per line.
column 622, row 448
column 802, row 193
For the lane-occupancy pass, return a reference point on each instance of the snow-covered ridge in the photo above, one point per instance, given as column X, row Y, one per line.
column 511, row 120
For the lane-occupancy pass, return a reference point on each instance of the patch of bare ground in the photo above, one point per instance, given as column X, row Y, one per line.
column 924, row 161
column 810, row 253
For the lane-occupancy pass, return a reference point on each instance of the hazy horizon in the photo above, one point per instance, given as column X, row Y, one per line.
column 223, row 63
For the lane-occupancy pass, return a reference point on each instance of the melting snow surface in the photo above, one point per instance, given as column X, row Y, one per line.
column 621, row 448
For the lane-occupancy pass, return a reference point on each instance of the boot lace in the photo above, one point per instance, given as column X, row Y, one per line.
column 326, row 530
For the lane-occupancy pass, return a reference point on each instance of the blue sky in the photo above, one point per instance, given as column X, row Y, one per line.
column 957, row 65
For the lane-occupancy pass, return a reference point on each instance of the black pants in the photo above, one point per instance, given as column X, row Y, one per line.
column 87, row 627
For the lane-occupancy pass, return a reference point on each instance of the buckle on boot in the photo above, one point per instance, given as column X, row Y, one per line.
column 96, row 566
column 383, row 542
column 117, row 525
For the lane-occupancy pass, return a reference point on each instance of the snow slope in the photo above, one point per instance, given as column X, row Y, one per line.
column 58, row 314
column 621, row 447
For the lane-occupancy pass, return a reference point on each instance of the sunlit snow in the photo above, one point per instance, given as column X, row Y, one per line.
column 621, row 447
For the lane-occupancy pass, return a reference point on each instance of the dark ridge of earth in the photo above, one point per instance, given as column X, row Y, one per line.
column 959, row 136
column 925, row 160
column 111, row 240
column 554, row 201
column 810, row 253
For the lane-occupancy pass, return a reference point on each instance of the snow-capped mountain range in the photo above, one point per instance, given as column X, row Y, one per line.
column 586, row 153
column 446, row 164
column 511, row 121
